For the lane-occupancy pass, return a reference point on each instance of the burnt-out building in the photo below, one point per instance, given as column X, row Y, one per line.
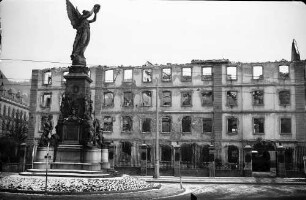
column 203, row 107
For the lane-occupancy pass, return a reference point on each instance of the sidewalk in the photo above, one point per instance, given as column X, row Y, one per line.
column 225, row 180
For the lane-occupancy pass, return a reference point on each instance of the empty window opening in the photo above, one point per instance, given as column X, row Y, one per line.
column 207, row 125
column 186, row 124
column 127, row 99
column 258, row 97
column 46, row 100
column 257, row 72
column 285, row 125
column 47, row 78
column 146, row 125
column 147, row 75
column 108, row 99
column 166, row 98
column 165, row 153
column 231, row 98
column 166, row 124
column 259, row 125
column 128, row 75
column 186, row 74
column 127, row 123
column 108, row 124
column 283, row 71
column 166, row 74
column 233, row 154
column 186, row 99
column 207, row 98
column 232, row 125
column 231, row 73
column 147, row 98
column 109, row 76
column 206, row 73
column 284, row 97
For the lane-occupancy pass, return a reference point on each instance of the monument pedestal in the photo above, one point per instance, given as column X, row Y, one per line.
column 41, row 158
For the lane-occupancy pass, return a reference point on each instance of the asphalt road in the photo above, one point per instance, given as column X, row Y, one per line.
column 201, row 191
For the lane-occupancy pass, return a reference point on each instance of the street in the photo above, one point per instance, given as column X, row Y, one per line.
column 202, row 191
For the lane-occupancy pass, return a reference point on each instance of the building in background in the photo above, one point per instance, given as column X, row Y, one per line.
column 202, row 105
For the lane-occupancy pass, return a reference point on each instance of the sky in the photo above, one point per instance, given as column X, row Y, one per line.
column 131, row 32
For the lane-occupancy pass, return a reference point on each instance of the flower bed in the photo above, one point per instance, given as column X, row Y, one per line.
column 72, row 185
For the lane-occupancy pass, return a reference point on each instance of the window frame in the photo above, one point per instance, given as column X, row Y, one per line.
column 113, row 78
column 253, row 125
column 132, row 99
column 49, row 77
column 263, row 97
column 104, row 95
column 163, row 101
column 122, row 124
column 42, row 100
column 143, row 71
column 170, row 122
column 212, row 98
column 211, row 125
column 142, row 99
column 207, row 77
column 280, row 125
column 227, row 102
column 112, row 124
column 142, row 123
column 227, row 125
column 279, row 99
column 229, row 77
column 283, row 77
column 186, row 78
column 162, row 77
column 186, row 92
column 260, row 77
column 128, row 80
column 190, row 124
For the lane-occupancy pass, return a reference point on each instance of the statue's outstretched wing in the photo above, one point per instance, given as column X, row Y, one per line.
column 73, row 14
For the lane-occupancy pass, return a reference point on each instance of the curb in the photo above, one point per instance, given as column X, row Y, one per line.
column 212, row 182
column 77, row 193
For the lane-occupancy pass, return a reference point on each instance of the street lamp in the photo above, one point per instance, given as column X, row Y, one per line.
column 156, row 169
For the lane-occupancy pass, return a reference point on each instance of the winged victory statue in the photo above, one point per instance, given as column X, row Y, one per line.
column 81, row 23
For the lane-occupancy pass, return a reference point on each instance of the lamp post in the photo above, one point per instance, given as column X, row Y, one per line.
column 47, row 156
column 156, row 169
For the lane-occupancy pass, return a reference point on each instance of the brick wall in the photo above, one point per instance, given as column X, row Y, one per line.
column 217, row 90
column 300, row 100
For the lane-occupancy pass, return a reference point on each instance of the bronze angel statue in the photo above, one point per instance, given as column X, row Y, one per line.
column 81, row 23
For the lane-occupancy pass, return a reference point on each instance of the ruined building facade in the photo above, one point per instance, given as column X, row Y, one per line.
column 204, row 103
